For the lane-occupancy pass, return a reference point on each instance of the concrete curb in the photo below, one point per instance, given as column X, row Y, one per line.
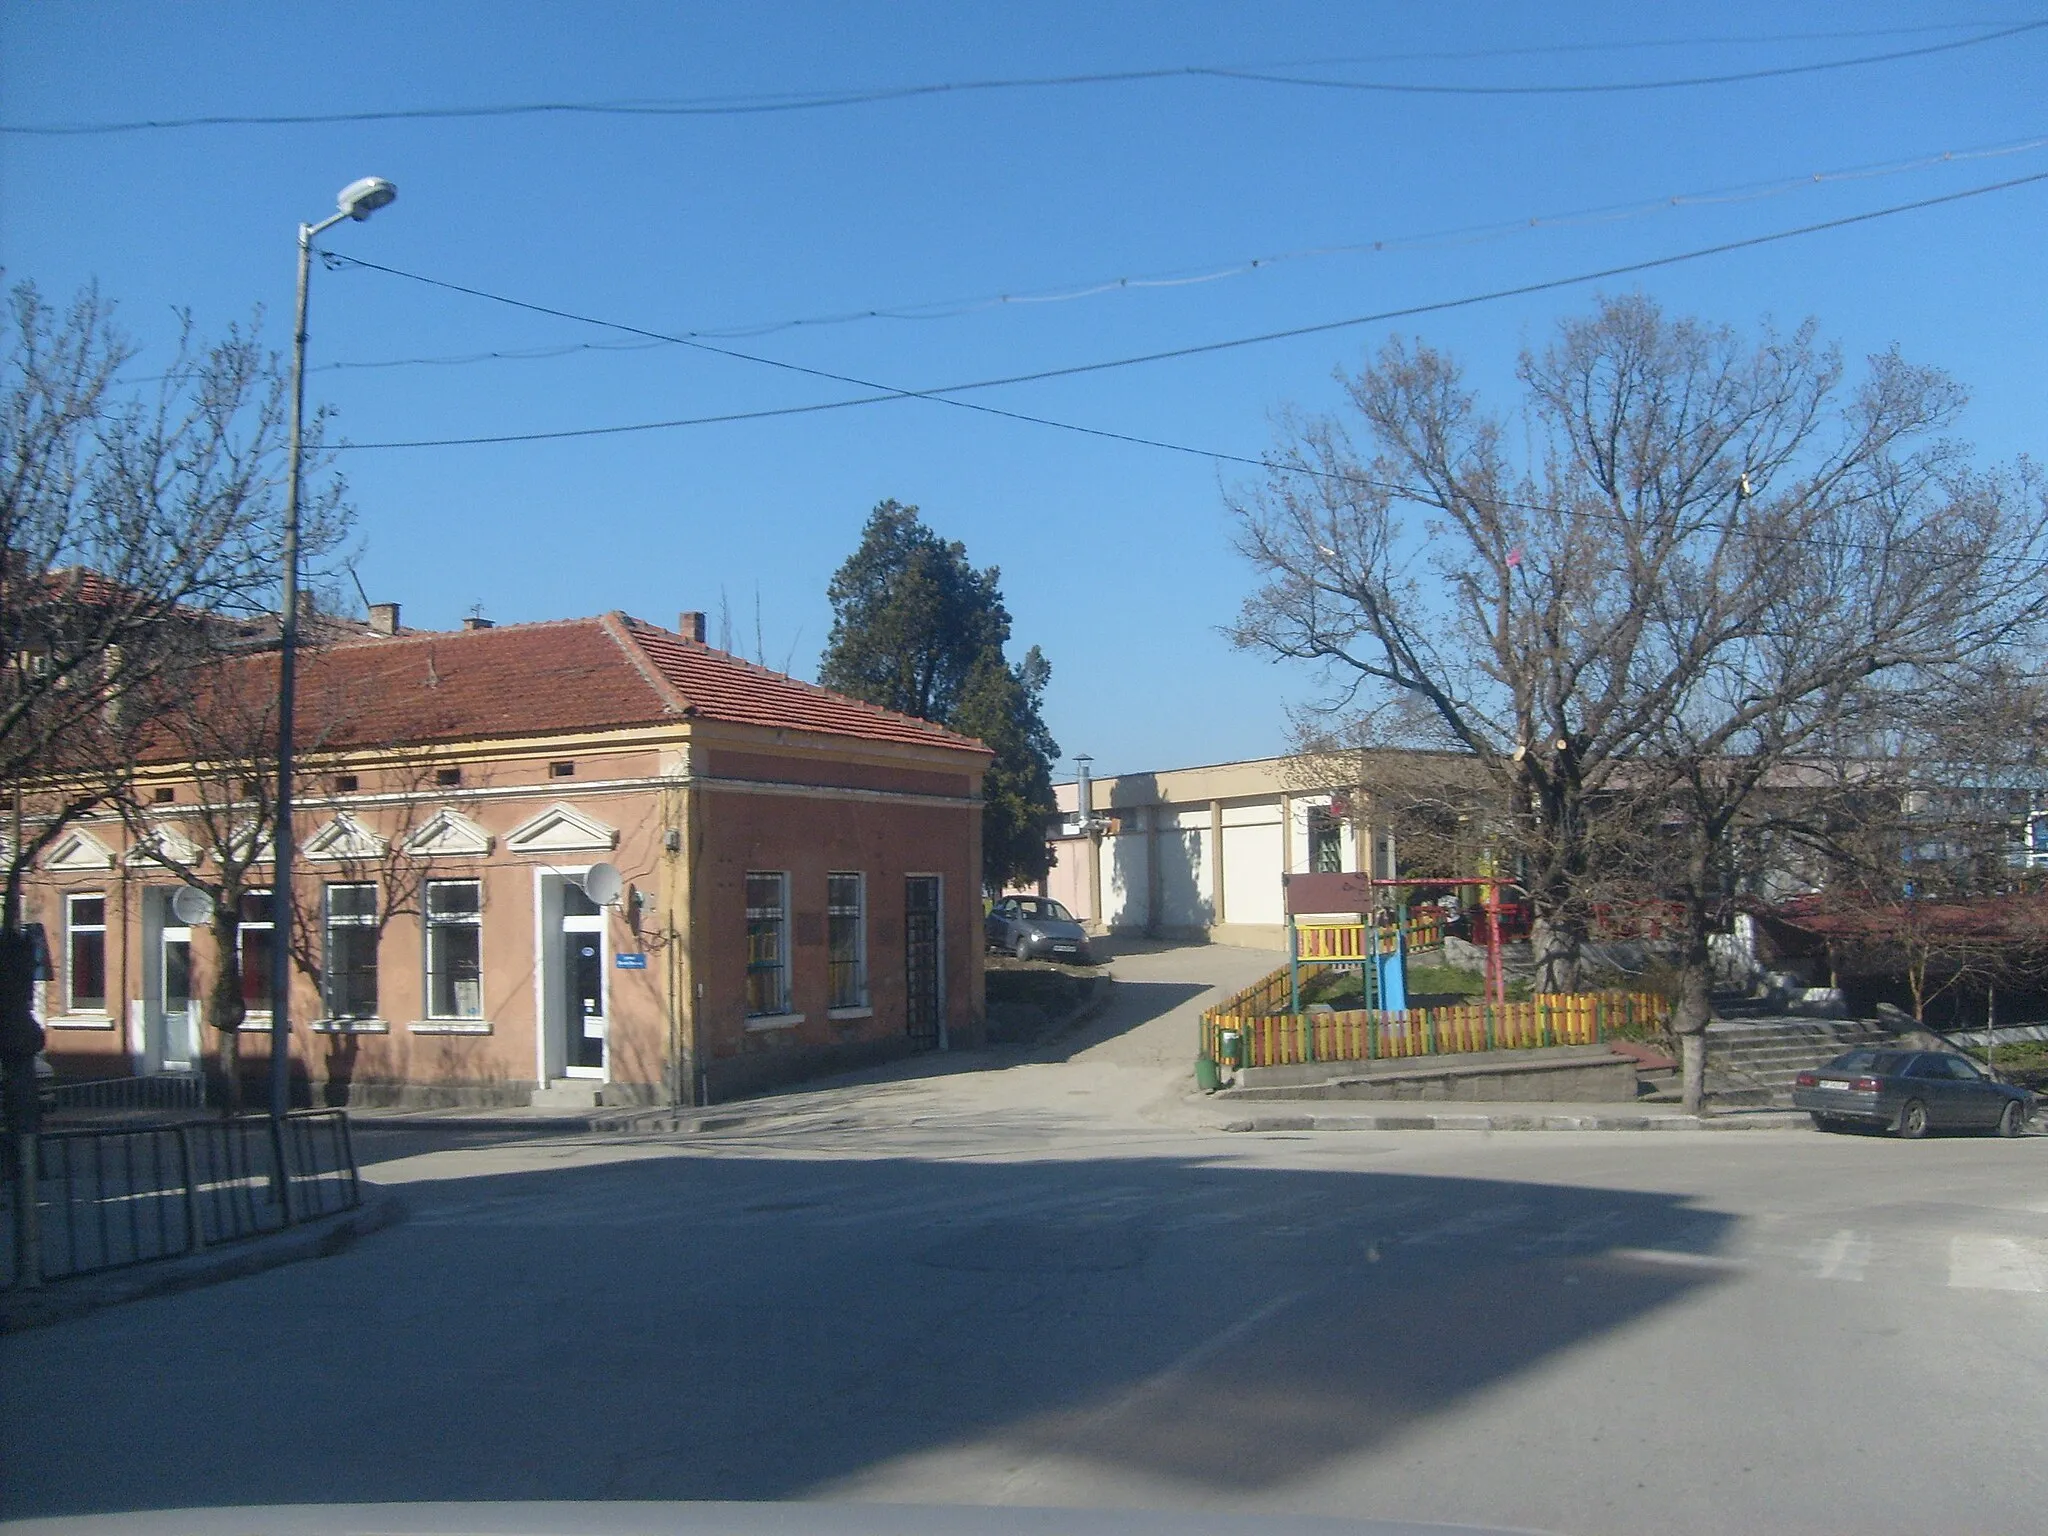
column 1520, row 1120
column 62, row 1300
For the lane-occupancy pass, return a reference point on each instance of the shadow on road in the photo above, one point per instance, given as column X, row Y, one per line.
column 673, row 1325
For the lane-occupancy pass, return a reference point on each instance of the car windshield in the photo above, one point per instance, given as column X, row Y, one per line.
column 1042, row 906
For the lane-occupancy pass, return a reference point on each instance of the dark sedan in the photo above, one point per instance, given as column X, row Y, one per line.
column 1036, row 926
column 1910, row 1093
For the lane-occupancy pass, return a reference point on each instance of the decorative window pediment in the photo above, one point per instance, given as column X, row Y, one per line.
column 345, row 838
column 78, row 850
column 248, row 848
column 167, row 846
column 448, row 834
column 561, row 828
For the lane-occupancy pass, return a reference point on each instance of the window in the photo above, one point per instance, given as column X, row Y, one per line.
column 767, row 945
column 455, row 986
column 1962, row 1070
column 561, row 770
column 350, row 989
column 165, row 795
column 85, row 924
column 447, row 778
column 253, row 950
column 847, row 940
column 345, row 783
column 1325, row 841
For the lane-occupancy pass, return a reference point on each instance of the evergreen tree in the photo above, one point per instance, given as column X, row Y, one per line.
column 1000, row 704
column 917, row 628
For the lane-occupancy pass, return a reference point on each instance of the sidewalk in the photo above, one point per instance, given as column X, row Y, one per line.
column 58, row 1300
column 1411, row 1115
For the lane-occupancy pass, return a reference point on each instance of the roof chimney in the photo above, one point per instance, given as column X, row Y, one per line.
column 478, row 621
column 691, row 625
column 383, row 618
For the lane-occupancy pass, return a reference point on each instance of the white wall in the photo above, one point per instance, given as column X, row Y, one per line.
column 1253, row 855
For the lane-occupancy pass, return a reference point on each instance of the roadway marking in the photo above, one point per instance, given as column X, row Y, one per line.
column 1980, row 1263
column 1842, row 1257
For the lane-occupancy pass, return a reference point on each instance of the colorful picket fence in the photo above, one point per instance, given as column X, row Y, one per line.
column 1353, row 941
column 1561, row 1018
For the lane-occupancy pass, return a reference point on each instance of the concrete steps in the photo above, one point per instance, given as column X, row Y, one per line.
column 1752, row 1061
column 568, row 1093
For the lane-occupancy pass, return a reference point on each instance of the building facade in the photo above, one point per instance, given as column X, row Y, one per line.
column 585, row 861
column 1201, row 852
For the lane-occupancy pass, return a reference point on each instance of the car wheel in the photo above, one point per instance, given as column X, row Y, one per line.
column 2013, row 1121
column 1912, row 1121
column 1022, row 948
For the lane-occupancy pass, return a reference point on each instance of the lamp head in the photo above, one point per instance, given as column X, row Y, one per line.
column 360, row 199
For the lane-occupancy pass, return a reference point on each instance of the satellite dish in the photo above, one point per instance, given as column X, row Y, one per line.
column 191, row 905
column 602, row 883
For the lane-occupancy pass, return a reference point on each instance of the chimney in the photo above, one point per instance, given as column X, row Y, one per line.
column 383, row 618
column 691, row 626
column 477, row 621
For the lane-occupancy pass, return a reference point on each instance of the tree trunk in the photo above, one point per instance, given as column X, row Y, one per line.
column 225, row 1009
column 1693, row 1011
column 1692, row 1063
column 1555, row 948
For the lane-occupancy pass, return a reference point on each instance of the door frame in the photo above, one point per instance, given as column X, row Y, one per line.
column 159, row 926
column 550, row 988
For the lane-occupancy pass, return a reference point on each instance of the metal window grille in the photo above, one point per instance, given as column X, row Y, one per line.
column 846, row 939
column 455, row 949
column 767, row 944
column 350, row 985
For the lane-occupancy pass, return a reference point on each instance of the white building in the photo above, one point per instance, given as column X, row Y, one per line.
column 1199, row 852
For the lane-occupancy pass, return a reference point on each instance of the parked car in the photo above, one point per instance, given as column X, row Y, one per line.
column 1036, row 925
column 1911, row 1093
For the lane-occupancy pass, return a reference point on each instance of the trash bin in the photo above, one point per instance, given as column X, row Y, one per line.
column 1206, row 1078
column 1230, row 1048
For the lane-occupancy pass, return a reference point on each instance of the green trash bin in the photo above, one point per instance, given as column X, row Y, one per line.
column 1230, row 1048
column 1206, row 1078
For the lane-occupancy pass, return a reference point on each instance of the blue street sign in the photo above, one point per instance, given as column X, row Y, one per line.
column 632, row 962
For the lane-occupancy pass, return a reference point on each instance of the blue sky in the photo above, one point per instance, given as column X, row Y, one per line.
column 1115, row 558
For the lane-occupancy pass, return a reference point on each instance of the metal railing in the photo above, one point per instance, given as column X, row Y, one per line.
column 157, row 1090
column 109, row 1197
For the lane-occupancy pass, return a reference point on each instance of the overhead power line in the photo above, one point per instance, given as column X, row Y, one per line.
column 815, row 101
column 946, row 394
column 1470, row 234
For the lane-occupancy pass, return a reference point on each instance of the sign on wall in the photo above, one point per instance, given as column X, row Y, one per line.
column 630, row 962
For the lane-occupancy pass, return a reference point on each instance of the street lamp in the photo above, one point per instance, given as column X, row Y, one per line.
column 358, row 200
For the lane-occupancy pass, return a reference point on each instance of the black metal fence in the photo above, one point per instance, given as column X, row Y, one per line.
column 108, row 1197
column 158, row 1090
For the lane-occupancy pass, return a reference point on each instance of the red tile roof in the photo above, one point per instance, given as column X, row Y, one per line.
column 559, row 676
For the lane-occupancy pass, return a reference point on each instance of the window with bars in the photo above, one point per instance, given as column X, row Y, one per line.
column 767, row 944
column 85, row 929
column 846, row 940
column 1325, row 841
column 455, row 968
column 349, row 988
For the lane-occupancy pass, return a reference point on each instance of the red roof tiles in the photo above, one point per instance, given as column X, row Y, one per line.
column 565, row 675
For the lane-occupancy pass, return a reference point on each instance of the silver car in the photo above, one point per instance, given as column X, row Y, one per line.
column 1036, row 926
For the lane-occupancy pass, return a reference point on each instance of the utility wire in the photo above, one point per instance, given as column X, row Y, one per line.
column 945, row 394
column 948, row 309
column 748, row 106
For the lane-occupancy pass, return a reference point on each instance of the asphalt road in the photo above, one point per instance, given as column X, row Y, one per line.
column 1013, row 1287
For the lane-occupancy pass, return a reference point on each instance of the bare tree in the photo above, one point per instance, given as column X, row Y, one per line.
column 132, row 522
column 1707, row 551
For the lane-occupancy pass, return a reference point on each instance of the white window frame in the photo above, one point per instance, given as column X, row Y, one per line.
column 258, row 899
column 72, row 930
column 329, row 922
column 780, row 1012
column 433, row 922
column 861, row 1005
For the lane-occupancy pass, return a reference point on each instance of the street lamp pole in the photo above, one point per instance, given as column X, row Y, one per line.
column 358, row 200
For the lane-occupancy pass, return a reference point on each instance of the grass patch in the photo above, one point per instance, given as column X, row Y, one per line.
column 2024, row 1062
